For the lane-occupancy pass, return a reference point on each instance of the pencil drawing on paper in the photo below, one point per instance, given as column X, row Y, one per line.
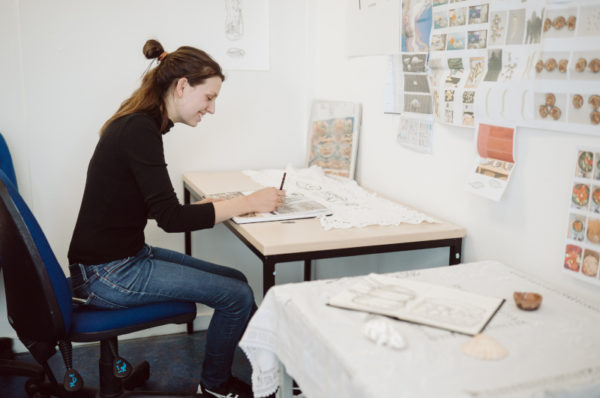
column 234, row 26
column 419, row 302
column 234, row 23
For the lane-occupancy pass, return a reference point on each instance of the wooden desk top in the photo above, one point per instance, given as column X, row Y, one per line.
column 281, row 237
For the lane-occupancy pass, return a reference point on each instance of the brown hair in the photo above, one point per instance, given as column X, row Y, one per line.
column 189, row 62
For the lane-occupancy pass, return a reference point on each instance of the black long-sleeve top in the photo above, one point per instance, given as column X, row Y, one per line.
column 127, row 183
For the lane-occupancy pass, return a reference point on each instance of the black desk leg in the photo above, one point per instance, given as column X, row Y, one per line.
column 307, row 270
column 187, row 235
column 455, row 251
column 268, row 275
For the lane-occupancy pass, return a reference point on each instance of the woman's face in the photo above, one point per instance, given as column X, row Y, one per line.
column 191, row 103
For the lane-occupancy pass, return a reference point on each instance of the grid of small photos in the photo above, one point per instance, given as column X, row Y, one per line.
column 582, row 248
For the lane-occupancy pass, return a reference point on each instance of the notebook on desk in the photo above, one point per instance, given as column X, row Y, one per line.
column 296, row 206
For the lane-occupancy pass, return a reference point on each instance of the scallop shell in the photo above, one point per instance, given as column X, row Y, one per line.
column 482, row 346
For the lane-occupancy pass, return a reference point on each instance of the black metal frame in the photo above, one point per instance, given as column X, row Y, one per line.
column 269, row 261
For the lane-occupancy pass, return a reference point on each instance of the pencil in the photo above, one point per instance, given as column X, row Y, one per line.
column 282, row 181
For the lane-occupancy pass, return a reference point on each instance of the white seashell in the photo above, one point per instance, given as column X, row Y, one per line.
column 383, row 331
column 482, row 346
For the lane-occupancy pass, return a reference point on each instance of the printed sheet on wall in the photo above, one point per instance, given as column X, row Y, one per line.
column 582, row 243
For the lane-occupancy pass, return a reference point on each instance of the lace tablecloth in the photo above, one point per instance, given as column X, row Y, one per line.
column 552, row 352
column 352, row 205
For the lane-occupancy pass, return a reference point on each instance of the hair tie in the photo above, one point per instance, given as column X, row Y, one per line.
column 162, row 56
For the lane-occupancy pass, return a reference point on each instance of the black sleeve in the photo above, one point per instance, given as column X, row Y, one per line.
column 141, row 144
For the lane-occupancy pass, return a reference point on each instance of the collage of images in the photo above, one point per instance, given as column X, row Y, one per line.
column 457, row 27
column 582, row 249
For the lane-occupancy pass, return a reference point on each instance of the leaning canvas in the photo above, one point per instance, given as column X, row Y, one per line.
column 333, row 137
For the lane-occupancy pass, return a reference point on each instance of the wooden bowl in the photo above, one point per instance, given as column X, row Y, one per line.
column 527, row 301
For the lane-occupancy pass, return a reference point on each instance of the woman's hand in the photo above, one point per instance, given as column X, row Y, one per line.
column 262, row 201
column 265, row 200
column 207, row 200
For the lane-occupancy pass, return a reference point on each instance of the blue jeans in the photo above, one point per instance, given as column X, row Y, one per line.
column 157, row 275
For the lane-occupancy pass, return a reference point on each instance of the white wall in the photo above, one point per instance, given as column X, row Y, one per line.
column 526, row 229
column 66, row 65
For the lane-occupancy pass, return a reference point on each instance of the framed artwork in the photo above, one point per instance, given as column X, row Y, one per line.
column 333, row 137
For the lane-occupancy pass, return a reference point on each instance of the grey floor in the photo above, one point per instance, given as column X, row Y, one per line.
column 175, row 363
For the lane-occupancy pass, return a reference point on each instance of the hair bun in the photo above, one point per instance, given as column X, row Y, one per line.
column 152, row 49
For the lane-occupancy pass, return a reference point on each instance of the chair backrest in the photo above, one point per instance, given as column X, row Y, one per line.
column 38, row 297
column 6, row 163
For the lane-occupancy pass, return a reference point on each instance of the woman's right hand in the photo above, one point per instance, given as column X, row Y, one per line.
column 266, row 200
column 262, row 201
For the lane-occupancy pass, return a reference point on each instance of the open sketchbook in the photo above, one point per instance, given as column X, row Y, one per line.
column 296, row 206
column 420, row 302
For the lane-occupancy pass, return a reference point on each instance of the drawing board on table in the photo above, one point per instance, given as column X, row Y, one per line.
column 582, row 243
column 420, row 302
column 494, row 161
column 333, row 137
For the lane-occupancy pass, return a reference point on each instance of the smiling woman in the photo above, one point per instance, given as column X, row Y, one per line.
column 128, row 182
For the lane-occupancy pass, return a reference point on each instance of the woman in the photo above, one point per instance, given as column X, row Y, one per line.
column 127, row 183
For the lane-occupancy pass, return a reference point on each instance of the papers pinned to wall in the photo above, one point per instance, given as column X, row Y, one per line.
column 494, row 162
column 582, row 244
column 416, row 133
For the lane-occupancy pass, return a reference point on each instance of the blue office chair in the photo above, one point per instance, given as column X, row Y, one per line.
column 6, row 163
column 8, row 365
column 41, row 311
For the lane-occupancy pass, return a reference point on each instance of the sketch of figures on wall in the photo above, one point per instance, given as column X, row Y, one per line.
column 234, row 23
column 234, row 26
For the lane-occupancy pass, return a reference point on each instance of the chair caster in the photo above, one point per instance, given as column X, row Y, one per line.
column 138, row 377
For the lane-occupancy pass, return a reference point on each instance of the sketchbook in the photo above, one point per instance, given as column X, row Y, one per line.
column 420, row 302
column 296, row 206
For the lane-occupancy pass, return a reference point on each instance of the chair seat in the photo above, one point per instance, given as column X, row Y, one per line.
column 93, row 324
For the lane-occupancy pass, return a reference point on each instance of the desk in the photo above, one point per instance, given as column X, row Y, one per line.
column 552, row 352
column 305, row 240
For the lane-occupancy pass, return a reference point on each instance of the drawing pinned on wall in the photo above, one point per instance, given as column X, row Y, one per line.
column 494, row 161
column 333, row 137
column 581, row 253
column 416, row 25
column 416, row 133
column 234, row 21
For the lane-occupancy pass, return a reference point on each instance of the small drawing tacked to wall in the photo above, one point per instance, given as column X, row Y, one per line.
column 333, row 137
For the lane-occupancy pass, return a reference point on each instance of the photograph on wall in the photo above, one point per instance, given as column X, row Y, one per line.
column 416, row 25
column 582, row 243
column 494, row 161
column 565, row 93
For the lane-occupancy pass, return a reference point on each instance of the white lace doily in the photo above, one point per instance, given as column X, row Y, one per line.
column 352, row 205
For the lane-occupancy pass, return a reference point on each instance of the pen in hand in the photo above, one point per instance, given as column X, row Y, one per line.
column 282, row 181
